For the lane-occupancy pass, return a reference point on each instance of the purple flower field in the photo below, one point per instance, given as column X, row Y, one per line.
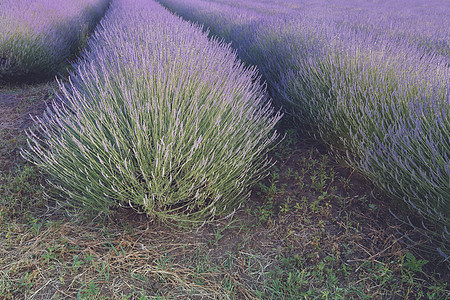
column 370, row 78
column 224, row 149
column 37, row 36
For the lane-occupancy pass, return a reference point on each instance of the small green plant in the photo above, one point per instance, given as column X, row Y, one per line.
column 265, row 212
column 411, row 264
column 77, row 263
column 88, row 291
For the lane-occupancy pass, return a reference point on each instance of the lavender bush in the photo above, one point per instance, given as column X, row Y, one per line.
column 393, row 123
column 371, row 79
column 158, row 117
column 37, row 36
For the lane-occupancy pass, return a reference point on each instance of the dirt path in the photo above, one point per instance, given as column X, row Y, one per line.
column 16, row 106
column 9, row 116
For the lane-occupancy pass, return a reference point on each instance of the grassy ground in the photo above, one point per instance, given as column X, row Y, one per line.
column 312, row 230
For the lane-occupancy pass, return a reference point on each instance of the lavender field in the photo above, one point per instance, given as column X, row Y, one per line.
column 224, row 149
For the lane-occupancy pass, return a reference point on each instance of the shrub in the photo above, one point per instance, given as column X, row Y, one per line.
column 158, row 117
column 390, row 119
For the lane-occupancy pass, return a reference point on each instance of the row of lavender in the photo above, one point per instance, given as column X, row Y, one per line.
column 157, row 117
column 372, row 79
column 37, row 36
